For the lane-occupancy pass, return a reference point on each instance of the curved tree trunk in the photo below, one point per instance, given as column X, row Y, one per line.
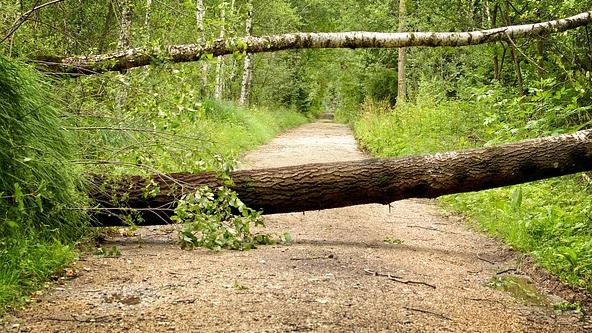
column 331, row 185
column 121, row 60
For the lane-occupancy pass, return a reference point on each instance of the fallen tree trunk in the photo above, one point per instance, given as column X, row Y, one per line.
column 331, row 185
column 137, row 57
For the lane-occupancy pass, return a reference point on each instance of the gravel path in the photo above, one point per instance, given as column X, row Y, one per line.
column 404, row 268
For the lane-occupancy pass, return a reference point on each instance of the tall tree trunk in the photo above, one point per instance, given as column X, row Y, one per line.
column 248, row 62
column 200, row 14
column 124, row 44
column 125, row 25
column 401, row 78
column 513, row 50
column 137, row 57
column 339, row 184
column 220, row 61
column 491, row 22
column 147, row 19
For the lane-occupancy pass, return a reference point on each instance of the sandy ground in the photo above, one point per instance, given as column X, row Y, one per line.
column 403, row 268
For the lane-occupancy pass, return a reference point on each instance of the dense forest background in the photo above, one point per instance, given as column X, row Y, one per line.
column 186, row 117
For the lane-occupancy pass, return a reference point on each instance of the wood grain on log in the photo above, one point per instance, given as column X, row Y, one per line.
column 340, row 184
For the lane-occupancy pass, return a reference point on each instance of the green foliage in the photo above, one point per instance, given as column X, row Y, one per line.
column 113, row 252
column 40, row 188
column 551, row 219
column 217, row 220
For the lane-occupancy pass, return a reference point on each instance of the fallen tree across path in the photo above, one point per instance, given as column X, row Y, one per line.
column 137, row 57
column 339, row 184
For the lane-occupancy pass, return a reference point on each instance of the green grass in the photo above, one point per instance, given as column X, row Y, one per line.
column 551, row 220
column 38, row 185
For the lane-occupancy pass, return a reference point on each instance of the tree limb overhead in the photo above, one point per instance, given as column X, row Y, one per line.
column 136, row 57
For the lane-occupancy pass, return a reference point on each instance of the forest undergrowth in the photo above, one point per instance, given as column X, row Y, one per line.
column 551, row 220
column 116, row 125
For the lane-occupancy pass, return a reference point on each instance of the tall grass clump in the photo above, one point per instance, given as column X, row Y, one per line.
column 38, row 185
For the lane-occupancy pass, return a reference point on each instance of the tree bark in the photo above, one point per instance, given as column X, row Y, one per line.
column 125, row 25
column 513, row 51
column 200, row 14
column 248, row 62
column 491, row 22
column 401, row 80
column 147, row 19
column 220, row 61
column 136, row 57
column 124, row 44
column 331, row 185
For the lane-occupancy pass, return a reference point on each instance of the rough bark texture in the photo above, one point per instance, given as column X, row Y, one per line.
column 331, row 185
column 136, row 57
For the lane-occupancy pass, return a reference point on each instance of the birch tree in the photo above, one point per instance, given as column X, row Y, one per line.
column 401, row 79
column 220, row 61
column 248, row 61
column 125, row 25
column 200, row 14
column 122, row 45
column 136, row 57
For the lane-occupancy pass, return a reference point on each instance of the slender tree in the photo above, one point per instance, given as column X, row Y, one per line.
column 220, row 61
column 513, row 51
column 124, row 44
column 248, row 61
column 402, row 83
column 200, row 14
column 125, row 25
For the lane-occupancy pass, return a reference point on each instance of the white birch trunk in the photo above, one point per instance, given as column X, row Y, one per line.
column 137, row 57
column 200, row 14
column 125, row 26
column 401, row 79
column 147, row 17
column 123, row 44
column 219, row 62
column 248, row 62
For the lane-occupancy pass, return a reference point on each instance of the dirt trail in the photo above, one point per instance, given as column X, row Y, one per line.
column 322, row 282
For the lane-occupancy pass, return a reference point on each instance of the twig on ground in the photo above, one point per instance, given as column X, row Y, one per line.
column 506, row 271
column 398, row 278
column 314, row 258
column 441, row 316
column 429, row 228
column 80, row 320
column 485, row 259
